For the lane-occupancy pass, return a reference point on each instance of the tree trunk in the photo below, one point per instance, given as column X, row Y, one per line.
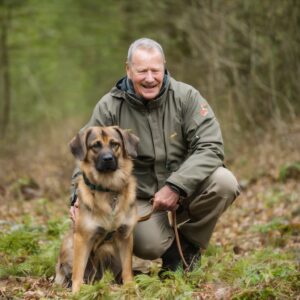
column 5, row 74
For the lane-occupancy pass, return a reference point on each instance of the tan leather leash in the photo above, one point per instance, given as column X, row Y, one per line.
column 147, row 216
column 177, row 238
column 174, row 225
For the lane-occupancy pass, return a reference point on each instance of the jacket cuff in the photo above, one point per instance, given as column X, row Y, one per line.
column 176, row 189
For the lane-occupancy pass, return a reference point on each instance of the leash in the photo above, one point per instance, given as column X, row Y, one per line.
column 174, row 225
column 147, row 216
column 177, row 238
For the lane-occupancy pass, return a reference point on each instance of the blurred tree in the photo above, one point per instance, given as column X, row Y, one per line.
column 4, row 65
column 243, row 56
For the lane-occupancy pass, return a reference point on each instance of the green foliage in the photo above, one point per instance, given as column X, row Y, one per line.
column 173, row 286
column 262, row 273
column 20, row 242
column 41, row 264
column 56, row 228
column 30, row 250
column 290, row 170
column 279, row 224
column 100, row 290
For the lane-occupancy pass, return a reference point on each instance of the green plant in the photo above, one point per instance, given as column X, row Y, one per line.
column 30, row 250
column 289, row 170
column 20, row 242
column 99, row 290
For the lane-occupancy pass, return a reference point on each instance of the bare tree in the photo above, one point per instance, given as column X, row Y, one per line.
column 4, row 68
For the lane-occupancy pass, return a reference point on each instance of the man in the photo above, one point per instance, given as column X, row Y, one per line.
column 180, row 155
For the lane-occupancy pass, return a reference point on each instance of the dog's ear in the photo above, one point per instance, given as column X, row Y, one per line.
column 130, row 142
column 78, row 145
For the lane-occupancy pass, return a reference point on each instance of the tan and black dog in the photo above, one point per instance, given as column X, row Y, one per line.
column 103, row 232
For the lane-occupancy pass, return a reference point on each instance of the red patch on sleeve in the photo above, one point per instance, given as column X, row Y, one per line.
column 203, row 110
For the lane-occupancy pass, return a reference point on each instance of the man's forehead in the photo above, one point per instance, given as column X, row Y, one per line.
column 141, row 54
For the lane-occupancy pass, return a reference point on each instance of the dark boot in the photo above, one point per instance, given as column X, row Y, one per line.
column 172, row 260
column 192, row 256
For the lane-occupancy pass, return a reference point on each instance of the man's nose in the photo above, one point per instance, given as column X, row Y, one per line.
column 149, row 76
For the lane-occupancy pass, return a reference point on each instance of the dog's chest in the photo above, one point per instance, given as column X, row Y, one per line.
column 110, row 215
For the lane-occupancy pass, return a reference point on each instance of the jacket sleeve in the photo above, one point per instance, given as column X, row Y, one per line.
column 203, row 136
column 100, row 117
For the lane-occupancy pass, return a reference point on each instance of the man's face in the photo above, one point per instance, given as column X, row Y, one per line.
column 146, row 72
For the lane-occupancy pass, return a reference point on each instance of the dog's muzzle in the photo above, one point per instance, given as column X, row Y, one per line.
column 106, row 162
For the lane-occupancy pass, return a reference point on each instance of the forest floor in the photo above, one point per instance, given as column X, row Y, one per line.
column 254, row 252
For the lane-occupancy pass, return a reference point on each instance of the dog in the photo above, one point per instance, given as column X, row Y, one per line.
column 102, row 234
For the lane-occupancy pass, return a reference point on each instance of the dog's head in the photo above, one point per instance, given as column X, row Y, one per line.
column 104, row 146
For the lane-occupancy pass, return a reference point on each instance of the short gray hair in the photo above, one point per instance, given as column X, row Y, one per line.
column 144, row 43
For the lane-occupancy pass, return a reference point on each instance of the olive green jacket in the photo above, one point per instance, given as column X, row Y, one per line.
column 180, row 138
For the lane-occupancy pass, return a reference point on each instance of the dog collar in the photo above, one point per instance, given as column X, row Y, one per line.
column 96, row 187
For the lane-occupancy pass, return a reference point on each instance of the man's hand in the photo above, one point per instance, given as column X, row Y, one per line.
column 165, row 199
column 73, row 211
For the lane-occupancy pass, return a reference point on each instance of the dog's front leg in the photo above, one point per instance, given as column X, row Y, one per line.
column 125, row 250
column 82, row 249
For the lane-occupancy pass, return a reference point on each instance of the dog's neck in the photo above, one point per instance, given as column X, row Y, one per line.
column 96, row 187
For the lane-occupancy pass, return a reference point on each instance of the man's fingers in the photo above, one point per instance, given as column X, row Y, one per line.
column 73, row 210
column 73, row 213
column 164, row 205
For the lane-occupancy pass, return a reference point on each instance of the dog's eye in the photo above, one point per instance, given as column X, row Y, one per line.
column 114, row 145
column 97, row 145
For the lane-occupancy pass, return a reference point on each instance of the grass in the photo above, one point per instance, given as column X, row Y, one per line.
column 30, row 250
column 266, row 273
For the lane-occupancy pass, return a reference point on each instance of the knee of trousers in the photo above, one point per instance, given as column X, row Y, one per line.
column 224, row 184
column 151, row 243
column 150, row 252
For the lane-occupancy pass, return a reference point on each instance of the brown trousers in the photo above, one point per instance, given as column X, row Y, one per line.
column 196, row 223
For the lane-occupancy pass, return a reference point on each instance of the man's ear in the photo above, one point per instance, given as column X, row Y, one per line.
column 78, row 145
column 130, row 142
column 128, row 70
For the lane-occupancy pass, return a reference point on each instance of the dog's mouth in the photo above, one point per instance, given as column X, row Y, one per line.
column 106, row 163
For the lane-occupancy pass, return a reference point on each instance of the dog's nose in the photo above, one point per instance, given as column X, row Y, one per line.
column 106, row 162
column 107, row 157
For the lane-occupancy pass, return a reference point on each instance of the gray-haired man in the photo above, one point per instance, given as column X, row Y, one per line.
column 180, row 155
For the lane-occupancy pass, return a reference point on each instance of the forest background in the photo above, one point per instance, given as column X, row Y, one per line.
column 57, row 58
